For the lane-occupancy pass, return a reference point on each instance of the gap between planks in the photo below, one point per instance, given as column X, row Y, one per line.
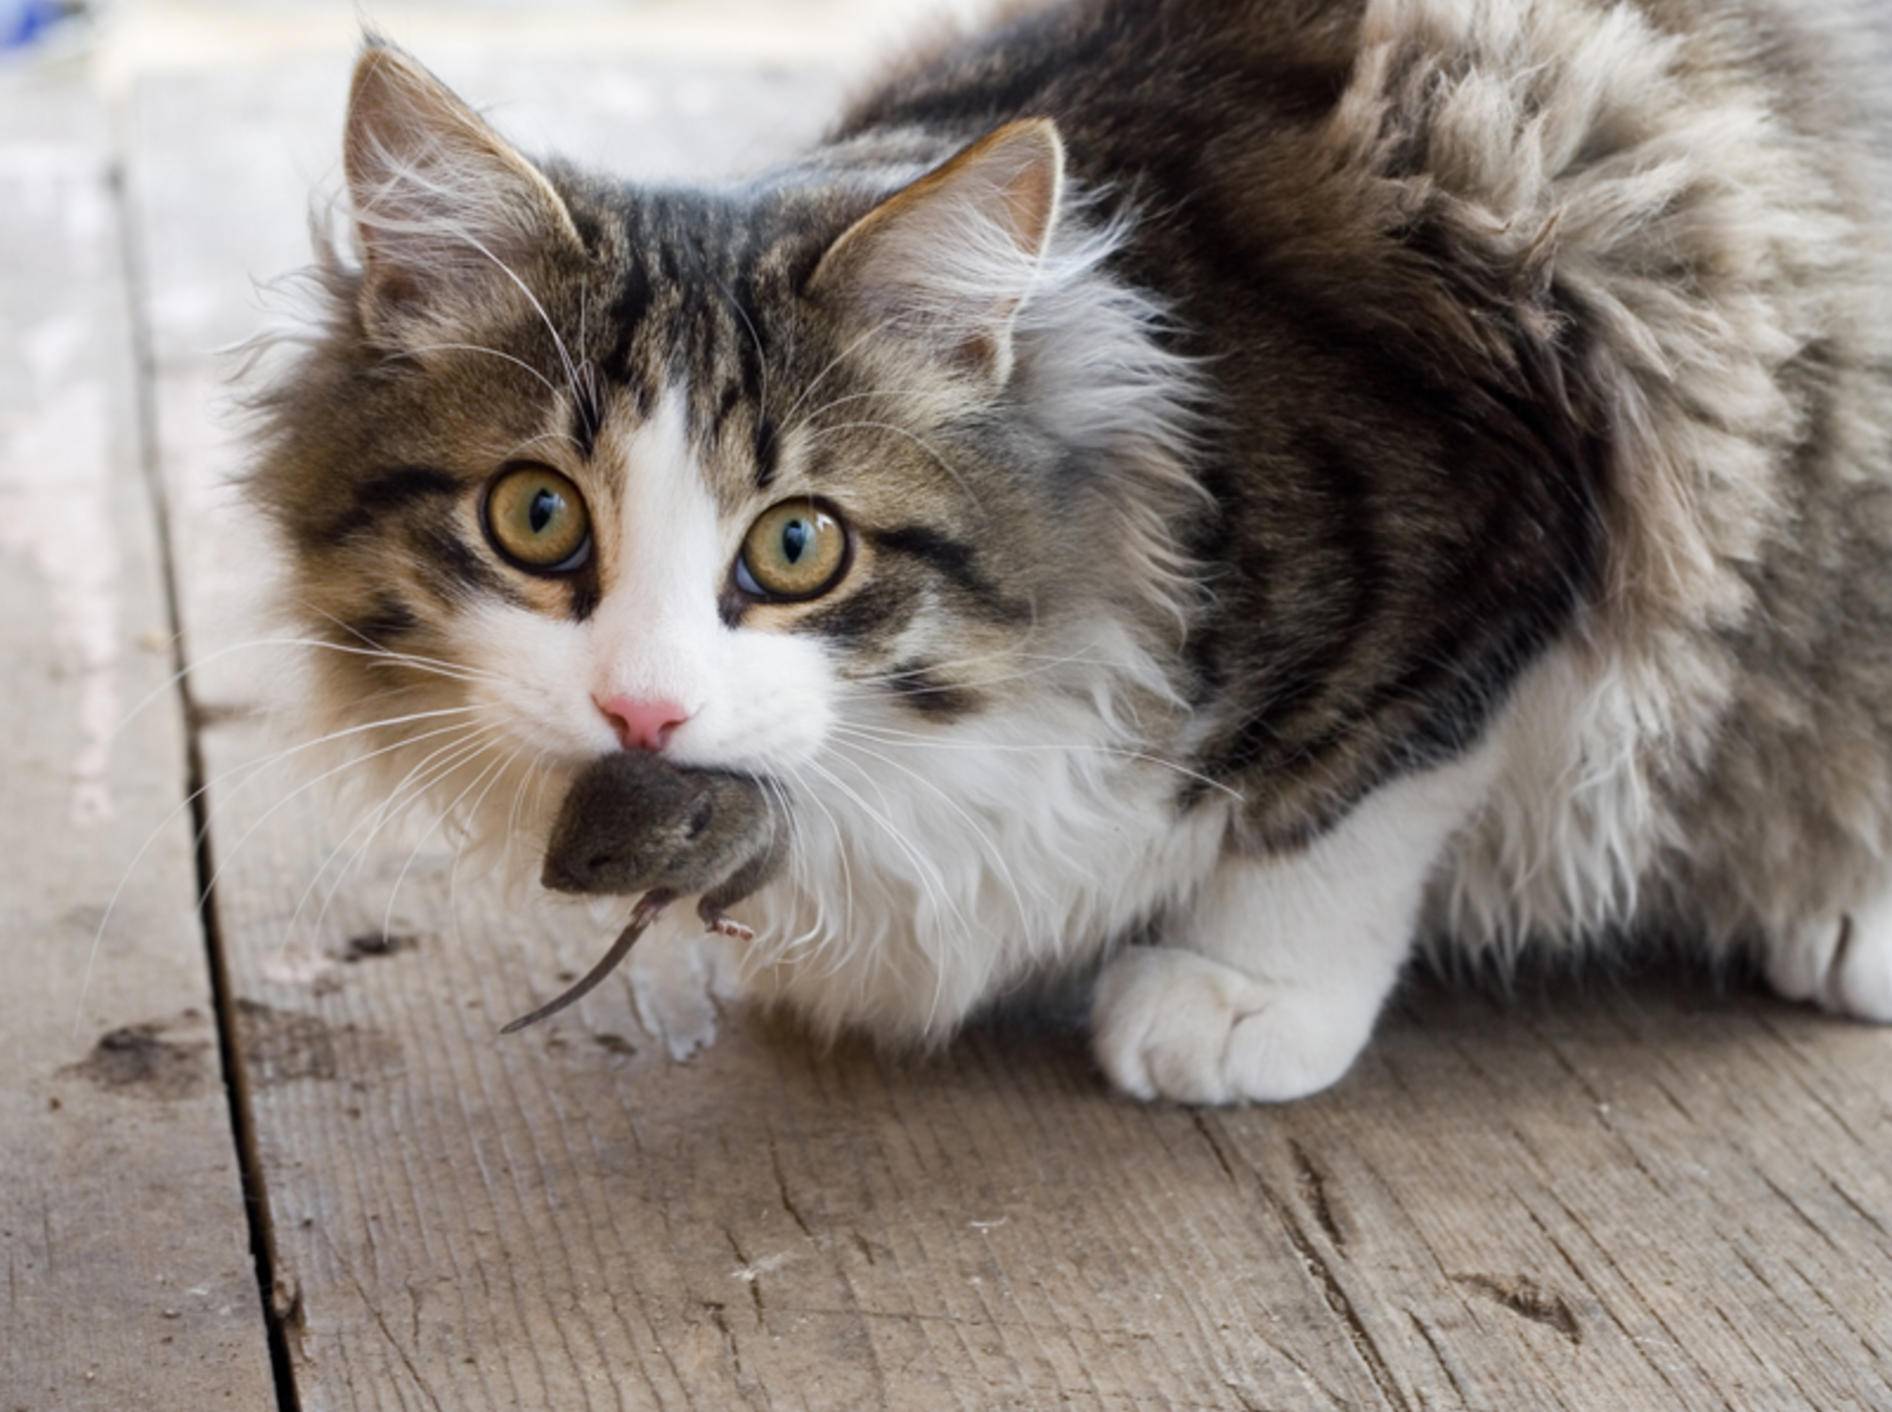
column 278, row 1298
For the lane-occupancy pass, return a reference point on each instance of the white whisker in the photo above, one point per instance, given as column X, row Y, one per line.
column 886, row 735
column 387, row 915
column 459, row 851
column 788, row 417
column 465, row 734
column 549, row 385
column 297, row 793
column 972, row 497
column 979, row 831
column 456, row 755
column 255, row 768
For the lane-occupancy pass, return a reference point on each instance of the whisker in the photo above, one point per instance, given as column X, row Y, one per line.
column 387, row 916
column 893, row 679
column 935, row 886
column 512, row 814
column 558, row 343
column 886, row 735
column 459, row 669
column 255, row 768
column 297, row 793
column 549, row 385
column 424, row 664
column 928, row 870
column 819, row 925
column 788, row 417
column 983, row 835
column 977, row 503
column 762, row 362
column 456, row 753
column 511, row 451
column 459, row 852
column 467, row 733
column 834, row 402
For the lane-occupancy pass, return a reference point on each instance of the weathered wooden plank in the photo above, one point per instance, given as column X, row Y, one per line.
column 567, row 1219
column 1600, row 1197
column 1607, row 1197
column 128, row 1279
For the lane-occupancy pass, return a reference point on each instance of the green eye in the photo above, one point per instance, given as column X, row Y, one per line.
column 795, row 550
column 537, row 519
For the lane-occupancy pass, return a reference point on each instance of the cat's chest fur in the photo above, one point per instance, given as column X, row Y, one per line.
column 933, row 875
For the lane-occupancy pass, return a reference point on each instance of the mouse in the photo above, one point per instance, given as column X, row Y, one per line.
column 632, row 822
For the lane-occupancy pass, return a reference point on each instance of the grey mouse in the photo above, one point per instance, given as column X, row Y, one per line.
column 632, row 823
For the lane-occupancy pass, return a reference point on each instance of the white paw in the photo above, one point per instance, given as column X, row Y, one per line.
column 1168, row 1023
column 676, row 980
column 1842, row 964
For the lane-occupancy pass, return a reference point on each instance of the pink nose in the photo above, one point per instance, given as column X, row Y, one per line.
column 643, row 725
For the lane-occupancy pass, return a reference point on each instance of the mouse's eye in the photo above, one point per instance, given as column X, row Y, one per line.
column 795, row 550
column 700, row 820
column 537, row 520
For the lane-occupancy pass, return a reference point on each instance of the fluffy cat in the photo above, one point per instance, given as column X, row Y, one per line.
column 1212, row 493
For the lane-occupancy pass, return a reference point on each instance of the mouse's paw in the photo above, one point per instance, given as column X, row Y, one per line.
column 1168, row 1023
column 725, row 925
column 676, row 982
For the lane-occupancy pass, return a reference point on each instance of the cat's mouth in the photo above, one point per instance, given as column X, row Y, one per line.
column 632, row 822
column 614, row 833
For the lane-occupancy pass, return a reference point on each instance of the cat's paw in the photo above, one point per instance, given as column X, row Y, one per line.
column 676, row 982
column 1168, row 1023
column 1840, row 963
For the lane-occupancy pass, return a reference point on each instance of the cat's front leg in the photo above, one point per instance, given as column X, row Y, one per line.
column 1268, row 987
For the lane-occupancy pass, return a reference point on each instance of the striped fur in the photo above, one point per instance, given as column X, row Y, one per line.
column 1321, row 475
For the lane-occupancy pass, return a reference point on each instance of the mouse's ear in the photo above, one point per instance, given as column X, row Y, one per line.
column 445, row 209
column 945, row 263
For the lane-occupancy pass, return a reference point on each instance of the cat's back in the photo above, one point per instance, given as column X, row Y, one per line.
column 1594, row 296
column 1271, row 108
column 1322, row 157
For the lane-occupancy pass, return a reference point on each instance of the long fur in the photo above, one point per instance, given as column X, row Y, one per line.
column 1449, row 432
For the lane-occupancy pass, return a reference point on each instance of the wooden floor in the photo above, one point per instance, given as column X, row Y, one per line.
column 273, row 1154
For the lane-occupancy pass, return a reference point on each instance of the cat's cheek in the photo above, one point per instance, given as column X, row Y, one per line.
column 770, row 709
column 529, row 677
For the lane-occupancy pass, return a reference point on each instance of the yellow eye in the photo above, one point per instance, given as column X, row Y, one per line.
column 798, row 549
column 537, row 519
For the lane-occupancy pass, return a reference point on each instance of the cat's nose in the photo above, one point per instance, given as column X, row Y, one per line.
column 643, row 725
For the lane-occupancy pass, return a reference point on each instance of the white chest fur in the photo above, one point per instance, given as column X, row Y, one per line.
column 933, row 869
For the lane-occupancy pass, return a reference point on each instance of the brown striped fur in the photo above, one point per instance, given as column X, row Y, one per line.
column 1448, row 431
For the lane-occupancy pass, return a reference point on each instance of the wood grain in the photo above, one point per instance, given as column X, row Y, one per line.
column 1612, row 1195
column 128, row 1278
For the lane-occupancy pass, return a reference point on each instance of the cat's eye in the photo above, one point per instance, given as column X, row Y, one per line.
column 537, row 519
column 797, row 549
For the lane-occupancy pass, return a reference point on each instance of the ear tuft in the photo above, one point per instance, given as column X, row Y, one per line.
column 443, row 205
column 948, row 260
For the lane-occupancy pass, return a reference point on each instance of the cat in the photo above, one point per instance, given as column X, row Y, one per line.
column 1206, row 497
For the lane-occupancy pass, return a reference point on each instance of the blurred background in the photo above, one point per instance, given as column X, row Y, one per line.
column 554, row 74
column 132, row 34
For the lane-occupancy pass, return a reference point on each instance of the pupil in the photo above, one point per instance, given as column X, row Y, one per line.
column 794, row 540
column 545, row 505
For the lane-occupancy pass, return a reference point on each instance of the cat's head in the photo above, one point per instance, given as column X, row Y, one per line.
column 871, row 448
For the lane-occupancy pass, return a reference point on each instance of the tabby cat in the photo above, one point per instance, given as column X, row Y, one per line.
column 1204, row 495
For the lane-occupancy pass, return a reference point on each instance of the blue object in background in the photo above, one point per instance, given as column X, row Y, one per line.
column 23, row 21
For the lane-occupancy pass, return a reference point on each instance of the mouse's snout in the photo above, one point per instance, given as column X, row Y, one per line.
column 599, row 868
column 564, row 874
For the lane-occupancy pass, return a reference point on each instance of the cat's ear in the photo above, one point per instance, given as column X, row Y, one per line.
column 945, row 263
column 445, row 208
